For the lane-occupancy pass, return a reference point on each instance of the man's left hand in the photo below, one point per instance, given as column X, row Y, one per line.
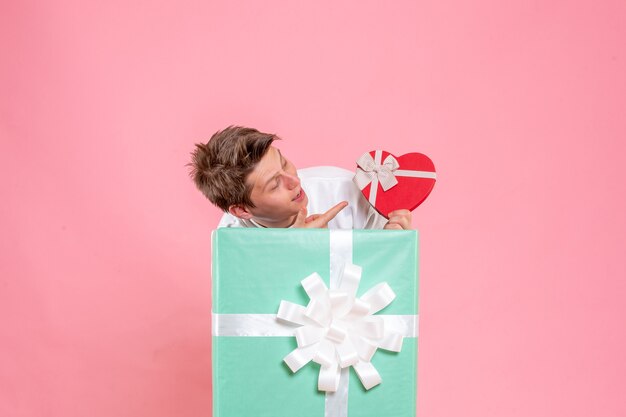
column 399, row 220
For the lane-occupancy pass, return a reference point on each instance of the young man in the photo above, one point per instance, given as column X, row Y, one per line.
column 240, row 171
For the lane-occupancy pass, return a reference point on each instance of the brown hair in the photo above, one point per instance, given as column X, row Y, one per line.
column 220, row 167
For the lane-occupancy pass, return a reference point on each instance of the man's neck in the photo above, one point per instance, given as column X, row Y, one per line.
column 278, row 225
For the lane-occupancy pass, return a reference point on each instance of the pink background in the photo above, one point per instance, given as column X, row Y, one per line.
column 105, row 243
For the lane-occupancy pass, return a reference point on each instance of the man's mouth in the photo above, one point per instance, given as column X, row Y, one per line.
column 299, row 196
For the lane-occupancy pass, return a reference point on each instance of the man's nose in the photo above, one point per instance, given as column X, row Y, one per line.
column 292, row 181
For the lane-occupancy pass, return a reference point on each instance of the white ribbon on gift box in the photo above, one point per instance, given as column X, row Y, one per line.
column 336, row 404
column 370, row 170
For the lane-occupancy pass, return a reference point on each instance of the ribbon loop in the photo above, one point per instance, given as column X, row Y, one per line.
column 318, row 312
column 325, row 354
column 314, row 286
column 299, row 357
column 369, row 168
column 328, row 379
column 336, row 333
column 347, row 354
column 292, row 312
column 379, row 297
column 368, row 375
column 371, row 327
column 359, row 309
column 391, row 341
column 365, row 348
column 307, row 335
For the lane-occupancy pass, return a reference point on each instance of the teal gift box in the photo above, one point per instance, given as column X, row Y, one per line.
column 254, row 269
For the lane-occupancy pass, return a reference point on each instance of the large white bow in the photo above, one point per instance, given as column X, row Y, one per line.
column 369, row 168
column 338, row 330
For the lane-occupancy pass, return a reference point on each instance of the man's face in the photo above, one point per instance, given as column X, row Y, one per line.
column 276, row 191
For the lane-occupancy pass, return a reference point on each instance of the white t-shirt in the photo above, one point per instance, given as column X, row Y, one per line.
column 326, row 187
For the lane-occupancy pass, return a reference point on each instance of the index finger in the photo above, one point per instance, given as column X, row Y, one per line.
column 300, row 218
column 332, row 212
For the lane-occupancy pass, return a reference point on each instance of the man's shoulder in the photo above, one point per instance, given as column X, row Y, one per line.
column 325, row 172
column 228, row 220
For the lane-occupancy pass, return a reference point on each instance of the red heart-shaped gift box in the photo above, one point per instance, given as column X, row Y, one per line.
column 414, row 172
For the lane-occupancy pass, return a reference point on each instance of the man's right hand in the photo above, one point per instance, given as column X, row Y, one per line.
column 318, row 220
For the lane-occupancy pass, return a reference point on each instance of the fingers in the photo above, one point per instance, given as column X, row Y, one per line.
column 330, row 214
column 321, row 220
column 311, row 218
column 300, row 218
column 398, row 220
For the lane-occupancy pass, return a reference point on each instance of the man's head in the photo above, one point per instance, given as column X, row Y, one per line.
column 240, row 172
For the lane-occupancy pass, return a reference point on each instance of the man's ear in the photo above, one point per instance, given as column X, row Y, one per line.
column 240, row 211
